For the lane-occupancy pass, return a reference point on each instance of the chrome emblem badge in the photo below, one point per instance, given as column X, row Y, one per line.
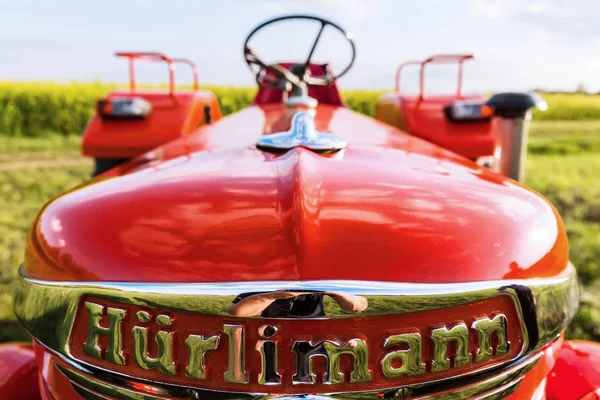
column 292, row 338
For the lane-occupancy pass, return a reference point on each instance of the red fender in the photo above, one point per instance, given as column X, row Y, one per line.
column 18, row 372
column 576, row 374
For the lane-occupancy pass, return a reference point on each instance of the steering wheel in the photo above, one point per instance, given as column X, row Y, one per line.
column 283, row 78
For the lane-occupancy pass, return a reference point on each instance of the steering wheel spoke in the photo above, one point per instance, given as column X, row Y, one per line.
column 319, row 80
column 314, row 46
column 265, row 81
column 252, row 59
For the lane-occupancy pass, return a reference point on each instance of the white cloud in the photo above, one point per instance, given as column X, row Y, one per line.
column 557, row 46
column 506, row 8
column 574, row 17
column 520, row 44
column 347, row 11
column 351, row 11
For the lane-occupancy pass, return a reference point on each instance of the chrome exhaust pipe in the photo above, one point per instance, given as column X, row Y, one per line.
column 512, row 113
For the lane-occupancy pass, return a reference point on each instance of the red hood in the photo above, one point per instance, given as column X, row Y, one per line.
column 211, row 207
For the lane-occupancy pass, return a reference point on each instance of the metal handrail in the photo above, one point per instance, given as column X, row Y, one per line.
column 153, row 57
column 435, row 59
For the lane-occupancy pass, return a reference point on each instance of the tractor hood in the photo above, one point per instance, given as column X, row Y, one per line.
column 212, row 207
column 383, row 269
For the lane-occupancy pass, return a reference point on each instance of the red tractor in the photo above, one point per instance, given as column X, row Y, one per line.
column 297, row 250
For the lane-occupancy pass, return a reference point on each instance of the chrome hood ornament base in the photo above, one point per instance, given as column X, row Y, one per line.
column 302, row 133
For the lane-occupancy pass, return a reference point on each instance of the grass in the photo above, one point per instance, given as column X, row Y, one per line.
column 12, row 146
column 568, row 106
column 564, row 137
column 51, row 147
column 563, row 165
column 572, row 183
column 23, row 191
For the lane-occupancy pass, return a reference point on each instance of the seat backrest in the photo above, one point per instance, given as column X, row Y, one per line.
column 324, row 94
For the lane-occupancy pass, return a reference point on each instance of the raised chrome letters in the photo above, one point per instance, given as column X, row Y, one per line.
column 198, row 346
column 402, row 354
column 412, row 363
column 236, row 371
column 114, row 350
column 164, row 340
column 268, row 356
column 332, row 351
column 441, row 337
column 485, row 327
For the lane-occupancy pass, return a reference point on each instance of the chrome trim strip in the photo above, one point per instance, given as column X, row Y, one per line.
column 365, row 288
column 488, row 385
column 546, row 305
column 493, row 384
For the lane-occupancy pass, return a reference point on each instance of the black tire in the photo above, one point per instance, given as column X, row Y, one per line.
column 104, row 164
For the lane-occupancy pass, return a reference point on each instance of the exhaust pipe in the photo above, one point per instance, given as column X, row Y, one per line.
column 512, row 113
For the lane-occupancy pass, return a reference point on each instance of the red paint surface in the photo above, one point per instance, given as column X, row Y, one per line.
column 173, row 115
column 210, row 207
column 534, row 384
column 576, row 374
column 425, row 118
column 18, row 372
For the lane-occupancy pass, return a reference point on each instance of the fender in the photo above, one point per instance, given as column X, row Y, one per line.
column 18, row 372
column 576, row 374
column 112, row 140
column 425, row 115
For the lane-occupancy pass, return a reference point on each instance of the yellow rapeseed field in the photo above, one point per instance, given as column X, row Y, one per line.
column 42, row 108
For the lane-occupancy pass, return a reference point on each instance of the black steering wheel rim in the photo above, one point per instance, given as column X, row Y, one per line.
column 248, row 53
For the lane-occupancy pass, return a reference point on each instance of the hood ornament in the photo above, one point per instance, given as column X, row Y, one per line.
column 302, row 133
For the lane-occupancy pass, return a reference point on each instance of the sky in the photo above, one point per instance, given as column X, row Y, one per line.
column 518, row 44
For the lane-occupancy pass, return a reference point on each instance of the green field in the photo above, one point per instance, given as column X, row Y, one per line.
column 563, row 164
